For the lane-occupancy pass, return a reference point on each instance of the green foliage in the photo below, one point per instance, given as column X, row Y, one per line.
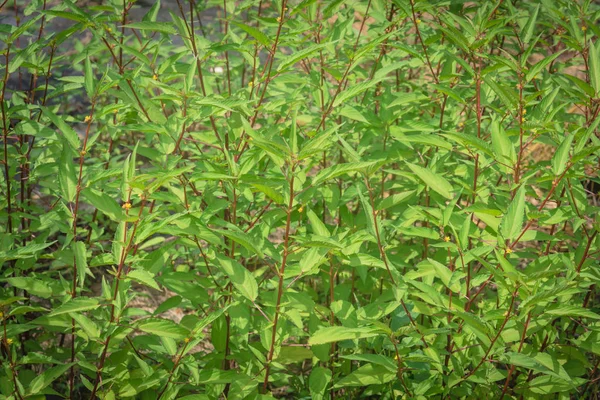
column 300, row 199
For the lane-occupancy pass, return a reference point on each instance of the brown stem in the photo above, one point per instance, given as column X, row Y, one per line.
column 124, row 253
column 512, row 367
column 385, row 260
column 9, row 226
column 281, row 273
column 493, row 341
column 416, row 24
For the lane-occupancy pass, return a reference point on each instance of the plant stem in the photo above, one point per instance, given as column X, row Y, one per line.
column 281, row 272
column 9, row 225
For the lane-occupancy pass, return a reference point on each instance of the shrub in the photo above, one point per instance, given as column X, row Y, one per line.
column 303, row 199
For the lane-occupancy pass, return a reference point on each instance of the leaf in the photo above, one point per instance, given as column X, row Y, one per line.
column 144, row 277
column 527, row 31
column 567, row 310
column 395, row 199
column 332, row 334
column 293, row 354
column 542, row 363
column 300, row 55
column 163, row 328
column 504, row 151
column 355, row 90
column 77, row 304
column 34, row 286
column 512, row 222
column 255, row 33
column 352, row 113
column 561, row 156
column 312, row 258
column 435, row 181
column 445, row 275
column 163, row 27
column 594, row 57
column 79, row 251
column 540, row 65
column 68, row 132
column 88, row 326
column 317, row 144
column 152, row 12
column 317, row 225
column 507, row 96
column 43, row 380
column 369, row 374
column 341, row 169
column 31, row 250
column 317, row 382
column 242, row 238
column 66, row 175
column 241, row 278
column 104, row 203
column 89, row 78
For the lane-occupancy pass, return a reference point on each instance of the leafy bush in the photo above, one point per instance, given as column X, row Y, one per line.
column 303, row 199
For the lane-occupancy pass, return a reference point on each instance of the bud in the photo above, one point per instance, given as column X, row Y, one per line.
column 127, row 206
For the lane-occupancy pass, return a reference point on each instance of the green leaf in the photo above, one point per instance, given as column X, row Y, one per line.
column 77, row 304
column 88, row 326
column 506, row 95
column 79, row 251
column 104, row 203
column 163, row 27
column 68, row 132
column 504, row 151
column 316, row 224
column 527, row 31
column 353, row 113
column 255, row 33
column 300, row 55
column 445, row 275
column 293, row 354
column 395, row 199
column 144, row 277
column 569, row 310
column 435, row 181
column 540, row 65
column 89, row 78
column 561, row 156
column 512, row 222
column 317, row 382
column 163, row 328
column 241, row 278
column 34, row 286
column 43, row 380
column 369, row 374
column 67, row 177
column 241, row 238
column 341, row 169
column 332, row 334
column 542, row 363
column 594, row 60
